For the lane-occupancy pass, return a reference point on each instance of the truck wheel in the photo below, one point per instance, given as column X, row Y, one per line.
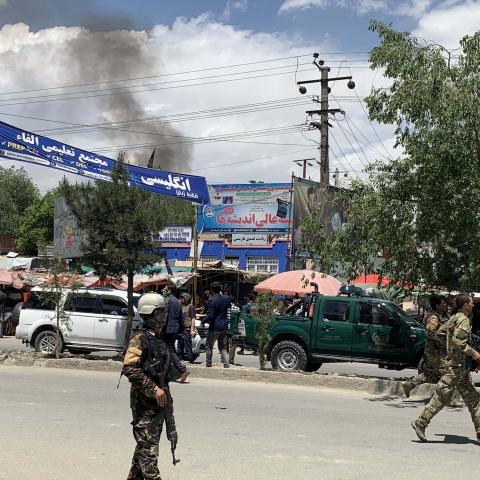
column 313, row 366
column 288, row 355
column 46, row 341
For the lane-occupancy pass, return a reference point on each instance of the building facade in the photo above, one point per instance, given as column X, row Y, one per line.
column 271, row 258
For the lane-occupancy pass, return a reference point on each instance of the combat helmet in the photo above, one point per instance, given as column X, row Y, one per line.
column 150, row 302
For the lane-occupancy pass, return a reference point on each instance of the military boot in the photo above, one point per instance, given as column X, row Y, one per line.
column 407, row 388
column 419, row 428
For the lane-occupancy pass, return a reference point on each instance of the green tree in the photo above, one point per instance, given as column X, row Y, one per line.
column 17, row 193
column 118, row 220
column 54, row 293
column 266, row 308
column 420, row 211
column 36, row 226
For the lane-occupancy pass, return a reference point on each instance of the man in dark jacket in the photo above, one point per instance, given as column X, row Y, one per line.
column 217, row 320
column 174, row 316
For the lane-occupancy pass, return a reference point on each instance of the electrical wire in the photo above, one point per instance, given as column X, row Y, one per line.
column 105, row 82
column 368, row 118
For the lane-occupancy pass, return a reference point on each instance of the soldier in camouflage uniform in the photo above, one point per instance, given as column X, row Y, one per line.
column 456, row 333
column 434, row 348
column 148, row 395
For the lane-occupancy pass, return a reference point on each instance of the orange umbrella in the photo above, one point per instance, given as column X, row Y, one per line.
column 290, row 283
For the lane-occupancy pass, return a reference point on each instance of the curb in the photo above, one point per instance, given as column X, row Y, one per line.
column 373, row 385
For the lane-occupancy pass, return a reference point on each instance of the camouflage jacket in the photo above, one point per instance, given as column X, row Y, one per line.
column 435, row 348
column 455, row 335
column 142, row 387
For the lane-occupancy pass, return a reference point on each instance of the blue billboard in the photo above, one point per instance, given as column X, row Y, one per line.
column 17, row 144
column 242, row 208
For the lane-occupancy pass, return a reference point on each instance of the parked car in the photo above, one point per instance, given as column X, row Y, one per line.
column 96, row 320
column 339, row 329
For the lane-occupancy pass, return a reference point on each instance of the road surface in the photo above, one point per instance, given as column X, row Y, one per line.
column 249, row 360
column 59, row 424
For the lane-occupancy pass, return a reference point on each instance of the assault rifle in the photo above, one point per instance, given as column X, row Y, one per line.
column 166, row 413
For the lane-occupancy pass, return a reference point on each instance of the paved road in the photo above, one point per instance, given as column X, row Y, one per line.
column 248, row 360
column 59, row 424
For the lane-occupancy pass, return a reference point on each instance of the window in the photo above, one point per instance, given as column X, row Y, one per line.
column 113, row 306
column 36, row 302
column 233, row 261
column 81, row 303
column 336, row 311
column 376, row 314
column 262, row 264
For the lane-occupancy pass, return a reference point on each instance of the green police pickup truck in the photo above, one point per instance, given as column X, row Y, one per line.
column 338, row 329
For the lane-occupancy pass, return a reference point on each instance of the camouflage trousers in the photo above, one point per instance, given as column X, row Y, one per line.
column 145, row 457
column 454, row 378
column 430, row 375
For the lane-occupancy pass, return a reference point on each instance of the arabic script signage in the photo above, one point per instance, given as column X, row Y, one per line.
column 16, row 144
column 174, row 235
column 244, row 208
column 249, row 240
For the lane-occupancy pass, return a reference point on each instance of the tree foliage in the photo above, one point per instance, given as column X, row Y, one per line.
column 36, row 226
column 17, row 193
column 266, row 308
column 118, row 220
column 421, row 211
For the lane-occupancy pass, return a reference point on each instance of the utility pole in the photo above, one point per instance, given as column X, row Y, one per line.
column 323, row 112
column 304, row 162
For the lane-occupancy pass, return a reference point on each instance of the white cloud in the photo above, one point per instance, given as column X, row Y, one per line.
column 3, row 3
column 231, row 6
column 446, row 25
column 39, row 60
column 301, row 5
column 413, row 8
column 359, row 6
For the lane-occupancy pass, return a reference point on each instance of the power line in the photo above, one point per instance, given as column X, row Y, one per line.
column 370, row 122
column 241, row 162
column 105, row 82
column 343, row 154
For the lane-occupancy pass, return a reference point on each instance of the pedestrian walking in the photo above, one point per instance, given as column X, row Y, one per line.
column 188, row 319
column 434, row 347
column 456, row 335
column 217, row 308
column 148, row 366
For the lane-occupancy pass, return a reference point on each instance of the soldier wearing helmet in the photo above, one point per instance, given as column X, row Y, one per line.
column 148, row 366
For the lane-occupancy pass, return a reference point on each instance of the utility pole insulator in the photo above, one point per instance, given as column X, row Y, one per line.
column 324, row 111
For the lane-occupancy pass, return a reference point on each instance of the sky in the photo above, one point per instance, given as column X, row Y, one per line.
column 210, row 84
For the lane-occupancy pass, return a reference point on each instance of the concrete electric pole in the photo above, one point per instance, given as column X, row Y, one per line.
column 323, row 112
column 304, row 162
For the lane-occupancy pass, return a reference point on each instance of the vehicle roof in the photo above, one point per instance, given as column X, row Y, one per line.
column 354, row 298
column 104, row 290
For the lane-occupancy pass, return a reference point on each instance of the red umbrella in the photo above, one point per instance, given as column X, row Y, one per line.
column 290, row 283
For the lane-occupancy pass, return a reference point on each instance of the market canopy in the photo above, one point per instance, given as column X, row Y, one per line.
column 371, row 280
column 299, row 282
column 17, row 144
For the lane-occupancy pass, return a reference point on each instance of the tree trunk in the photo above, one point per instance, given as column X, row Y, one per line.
column 57, row 335
column 128, row 330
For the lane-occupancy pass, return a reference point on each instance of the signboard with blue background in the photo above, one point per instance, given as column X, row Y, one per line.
column 17, row 144
column 245, row 208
